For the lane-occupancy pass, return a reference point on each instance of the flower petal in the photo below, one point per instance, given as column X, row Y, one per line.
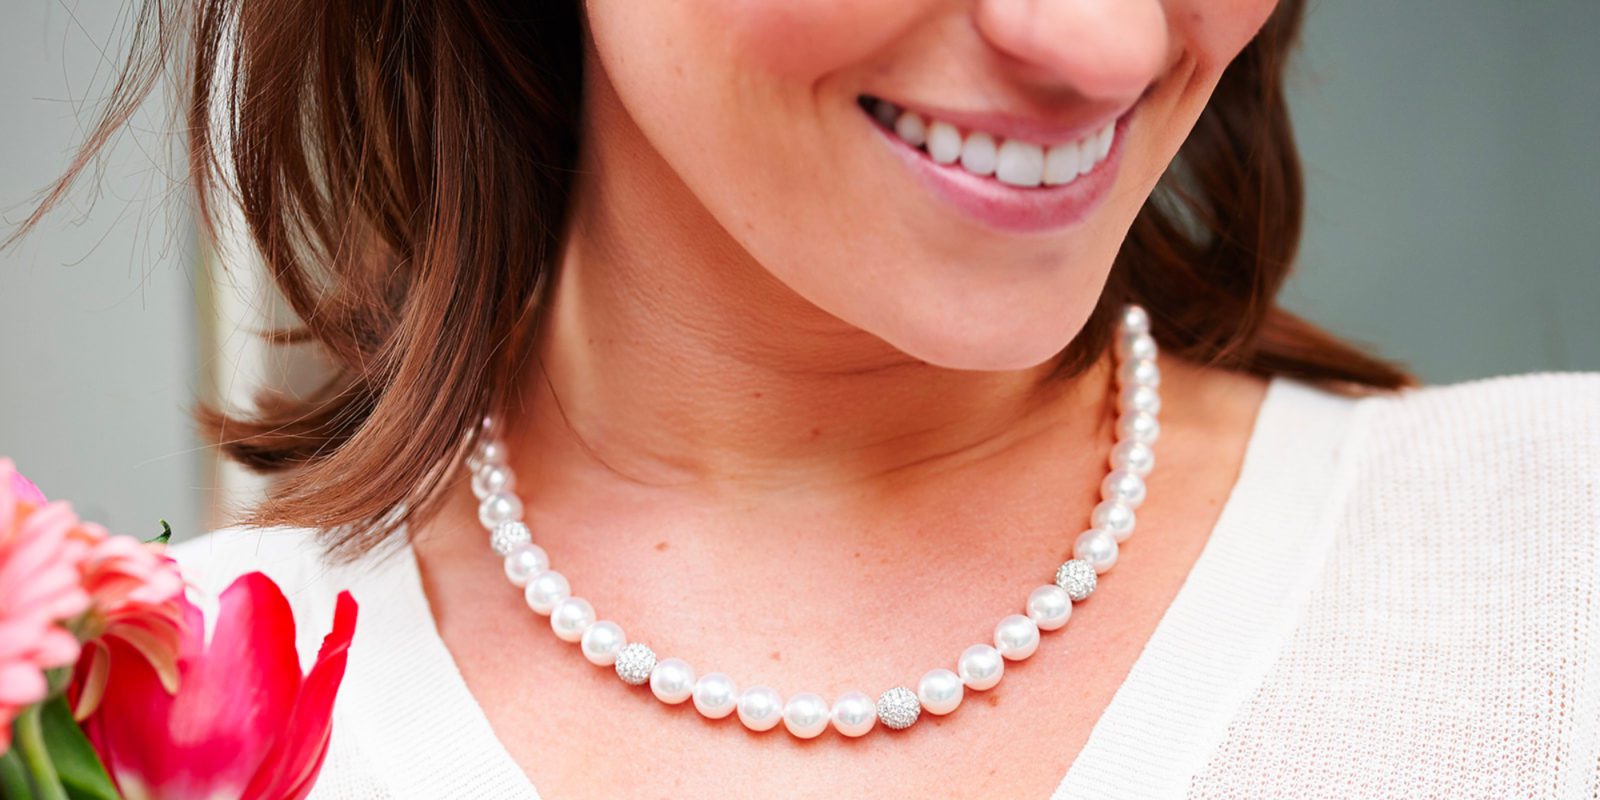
column 292, row 766
column 234, row 696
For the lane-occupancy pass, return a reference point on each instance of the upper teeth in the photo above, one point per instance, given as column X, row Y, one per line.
column 1011, row 161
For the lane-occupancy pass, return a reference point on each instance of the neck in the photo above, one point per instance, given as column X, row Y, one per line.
column 669, row 356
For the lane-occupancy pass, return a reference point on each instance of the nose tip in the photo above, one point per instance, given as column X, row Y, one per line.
column 1102, row 49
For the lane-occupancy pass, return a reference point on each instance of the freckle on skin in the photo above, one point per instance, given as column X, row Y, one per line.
column 661, row 545
column 992, row 700
column 776, row 656
column 816, row 431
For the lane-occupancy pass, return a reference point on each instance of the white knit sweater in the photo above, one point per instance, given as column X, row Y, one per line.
column 1400, row 599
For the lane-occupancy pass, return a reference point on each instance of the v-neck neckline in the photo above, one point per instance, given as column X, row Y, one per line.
column 1163, row 722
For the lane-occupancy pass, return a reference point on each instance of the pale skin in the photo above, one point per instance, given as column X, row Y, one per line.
column 790, row 422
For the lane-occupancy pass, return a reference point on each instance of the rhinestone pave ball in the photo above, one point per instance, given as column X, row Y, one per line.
column 898, row 708
column 635, row 663
column 1078, row 578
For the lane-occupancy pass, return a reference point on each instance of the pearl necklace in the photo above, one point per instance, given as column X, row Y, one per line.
column 807, row 715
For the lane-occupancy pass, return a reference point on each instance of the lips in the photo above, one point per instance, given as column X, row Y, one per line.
column 1015, row 182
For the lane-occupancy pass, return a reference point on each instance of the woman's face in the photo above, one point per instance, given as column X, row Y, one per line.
column 953, row 177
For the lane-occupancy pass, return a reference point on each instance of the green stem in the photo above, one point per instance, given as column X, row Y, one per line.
column 30, row 745
column 13, row 778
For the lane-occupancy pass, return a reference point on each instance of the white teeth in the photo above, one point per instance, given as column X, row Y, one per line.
column 909, row 127
column 1061, row 164
column 1011, row 161
column 978, row 153
column 1019, row 163
column 944, row 142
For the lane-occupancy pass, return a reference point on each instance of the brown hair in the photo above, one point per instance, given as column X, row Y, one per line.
column 403, row 168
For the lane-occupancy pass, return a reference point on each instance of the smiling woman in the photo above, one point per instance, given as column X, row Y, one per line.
column 826, row 341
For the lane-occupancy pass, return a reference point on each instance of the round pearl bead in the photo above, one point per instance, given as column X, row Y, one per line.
column 854, row 714
column 1049, row 607
column 1097, row 547
column 715, row 695
column 806, row 715
column 1136, row 457
column 545, row 590
column 1135, row 319
column 760, row 708
column 1124, row 487
column 940, row 691
column 1139, row 345
column 491, row 478
column 1137, row 426
column 602, row 641
column 635, row 662
column 1111, row 515
column 1016, row 637
column 498, row 508
column 488, row 426
column 980, row 667
column 491, row 451
column 1141, row 373
column 672, row 680
column 570, row 618
column 525, row 561
column 1139, row 398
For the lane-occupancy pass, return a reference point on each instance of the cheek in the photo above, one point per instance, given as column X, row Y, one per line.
column 809, row 38
column 1214, row 31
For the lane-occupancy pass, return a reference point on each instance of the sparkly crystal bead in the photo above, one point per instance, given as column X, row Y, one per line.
column 635, row 662
column 508, row 535
column 1078, row 578
column 898, row 708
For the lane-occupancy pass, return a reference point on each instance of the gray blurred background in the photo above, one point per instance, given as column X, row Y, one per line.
column 1452, row 158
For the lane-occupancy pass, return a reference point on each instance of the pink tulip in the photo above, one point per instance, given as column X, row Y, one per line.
column 39, row 591
column 136, row 596
column 243, row 723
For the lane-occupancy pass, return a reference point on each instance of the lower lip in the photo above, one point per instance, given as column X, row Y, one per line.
column 1013, row 209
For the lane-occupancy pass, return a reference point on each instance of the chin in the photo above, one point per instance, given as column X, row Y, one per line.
column 987, row 346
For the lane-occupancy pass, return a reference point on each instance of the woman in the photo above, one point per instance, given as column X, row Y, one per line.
column 815, row 344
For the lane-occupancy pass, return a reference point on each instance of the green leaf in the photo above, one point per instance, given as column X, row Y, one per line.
column 14, row 784
column 76, row 762
column 164, row 535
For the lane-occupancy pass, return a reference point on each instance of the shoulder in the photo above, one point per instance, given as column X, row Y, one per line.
column 291, row 557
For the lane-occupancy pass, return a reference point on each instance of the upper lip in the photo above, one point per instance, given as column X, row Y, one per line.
column 1026, row 127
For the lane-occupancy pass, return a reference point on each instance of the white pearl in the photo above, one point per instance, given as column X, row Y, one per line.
column 492, row 478
column 497, row 508
column 1138, row 426
column 1113, row 516
column 854, row 714
column 760, row 708
column 1097, row 547
column 1140, row 346
column 1124, row 487
column 1049, row 607
column 806, row 715
column 570, row 618
column 524, row 562
column 1136, row 457
column 1016, row 637
column 980, row 667
column 602, row 641
column 715, row 695
column 488, row 427
column 491, row 451
column 545, row 590
column 1135, row 319
column 1139, row 398
column 1141, row 373
column 672, row 681
column 940, row 691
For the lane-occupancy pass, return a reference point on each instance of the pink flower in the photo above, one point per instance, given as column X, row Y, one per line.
column 136, row 596
column 243, row 723
column 39, row 590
